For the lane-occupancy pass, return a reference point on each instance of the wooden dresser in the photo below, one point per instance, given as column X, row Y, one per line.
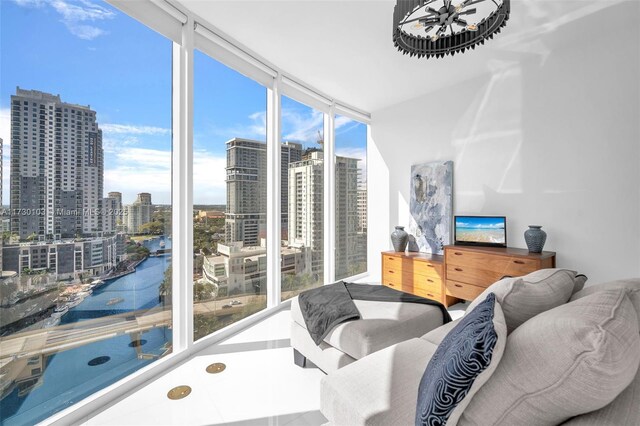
column 417, row 273
column 470, row 270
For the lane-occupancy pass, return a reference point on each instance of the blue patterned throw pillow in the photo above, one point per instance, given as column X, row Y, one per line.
column 463, row 362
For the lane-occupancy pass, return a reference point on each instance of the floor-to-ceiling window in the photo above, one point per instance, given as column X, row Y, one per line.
column 302, row 198
column 229, row 196
column 350, row 197
column 85, row 292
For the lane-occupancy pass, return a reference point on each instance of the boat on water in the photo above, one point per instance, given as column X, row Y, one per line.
column 162, row 244
column 115, row 301
column 74, row 301
column 96, row 283
column 59, row 311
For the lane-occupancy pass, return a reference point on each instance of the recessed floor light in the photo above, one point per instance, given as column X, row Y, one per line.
column 137, row 343
column 99, row 360
column 216, row 367
column 179, row 392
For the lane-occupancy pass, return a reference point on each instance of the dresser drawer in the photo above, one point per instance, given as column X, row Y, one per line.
column 475, row 276
column 428, row 284
column 427, row 269
column 504, row 265
column 392, row 280
column 462, row 290
column 433, row 295
column 392, row 261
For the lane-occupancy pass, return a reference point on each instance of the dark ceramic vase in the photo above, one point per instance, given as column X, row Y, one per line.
column 399, row 239
column 535, row 238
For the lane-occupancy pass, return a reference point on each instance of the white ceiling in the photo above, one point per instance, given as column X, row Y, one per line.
column 344, row 48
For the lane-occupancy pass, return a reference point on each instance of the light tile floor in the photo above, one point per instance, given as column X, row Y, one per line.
column 260, row 386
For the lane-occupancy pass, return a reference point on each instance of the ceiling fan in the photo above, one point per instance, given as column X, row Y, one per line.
column 427, row 28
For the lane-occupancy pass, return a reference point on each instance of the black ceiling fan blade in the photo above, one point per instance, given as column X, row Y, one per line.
column 467, row 12
column 422, row 19
column 460, row 22
column 471, row 2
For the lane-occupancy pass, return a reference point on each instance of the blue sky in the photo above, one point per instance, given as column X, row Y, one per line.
column 83, row 50
column 479, row 222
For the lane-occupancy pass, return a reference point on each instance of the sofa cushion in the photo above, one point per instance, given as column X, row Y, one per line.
column 381, row 324
column 632, row 286
column 463, row 362
column 525, row 297
column 436, row 335
column 380, row 389
column 624, row 410
column 571, row 360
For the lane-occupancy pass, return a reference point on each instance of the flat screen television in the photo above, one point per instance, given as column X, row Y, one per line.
column 481, row 231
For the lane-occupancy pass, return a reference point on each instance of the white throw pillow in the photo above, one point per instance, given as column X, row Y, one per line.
column 568, row 361
column 525, row 297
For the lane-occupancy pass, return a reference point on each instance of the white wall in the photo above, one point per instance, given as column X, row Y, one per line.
column 550, row 137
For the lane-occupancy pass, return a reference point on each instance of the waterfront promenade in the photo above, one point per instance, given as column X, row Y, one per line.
column 51, row 340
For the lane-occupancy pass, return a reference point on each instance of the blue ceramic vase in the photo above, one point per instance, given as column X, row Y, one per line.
column 535, row 238
column 399, row 239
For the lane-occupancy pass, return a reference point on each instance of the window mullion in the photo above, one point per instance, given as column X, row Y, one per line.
column 329, row 196
column 182, row 203
column 274, row 213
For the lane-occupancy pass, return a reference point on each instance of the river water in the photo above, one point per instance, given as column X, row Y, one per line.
column 72, row 375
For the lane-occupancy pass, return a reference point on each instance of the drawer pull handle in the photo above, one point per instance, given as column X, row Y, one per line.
column 430, row 295
column 429, row 265
column 457, row 253
column 519, row 262
column 458, row 269
column 458, row 285
column 391, row 285
column 391, row 272
column 429, row 280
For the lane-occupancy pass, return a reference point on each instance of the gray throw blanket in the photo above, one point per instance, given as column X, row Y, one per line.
column 325, row 307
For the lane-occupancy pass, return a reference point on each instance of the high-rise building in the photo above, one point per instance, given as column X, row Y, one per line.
column 246, row 215
column 306, row 200
column 347, row 244
column 290, row 152
column 118, row 212
column 362, row 210
column 138, row 213
column 56, row 166
column 117, row 196
column 306, row 220
column 109, row 215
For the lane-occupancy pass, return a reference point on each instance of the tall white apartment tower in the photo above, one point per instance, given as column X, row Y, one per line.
column 139, row 213
column 348, row 250
column 306, row 200
column 56, row 167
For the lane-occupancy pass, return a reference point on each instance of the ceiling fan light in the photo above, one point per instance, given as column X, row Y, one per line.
column 414, row 39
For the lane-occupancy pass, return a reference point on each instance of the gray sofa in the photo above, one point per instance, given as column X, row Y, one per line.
column 572, row 357
column 382, row 324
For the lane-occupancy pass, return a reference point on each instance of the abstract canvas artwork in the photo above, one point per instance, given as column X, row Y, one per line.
column 431, row 206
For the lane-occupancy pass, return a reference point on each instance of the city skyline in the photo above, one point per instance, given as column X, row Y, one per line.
column 137, row 129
